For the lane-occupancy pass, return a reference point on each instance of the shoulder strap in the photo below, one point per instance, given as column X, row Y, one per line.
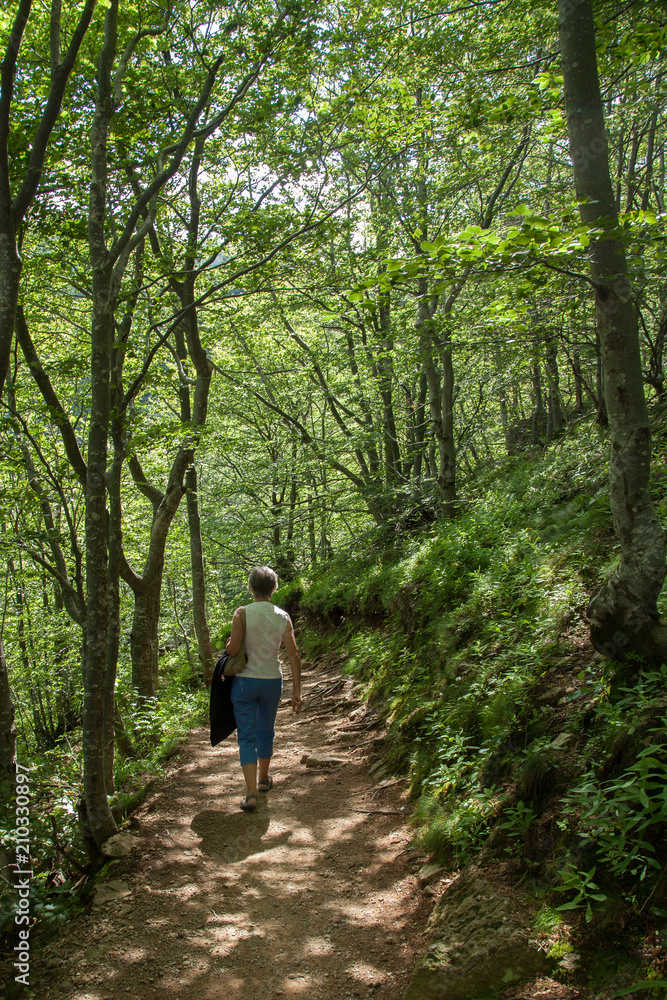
column 243, row 621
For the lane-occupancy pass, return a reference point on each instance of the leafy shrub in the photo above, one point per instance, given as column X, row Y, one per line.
column 453, row 834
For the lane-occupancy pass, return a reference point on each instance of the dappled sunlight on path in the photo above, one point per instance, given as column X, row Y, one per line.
column 311, row 896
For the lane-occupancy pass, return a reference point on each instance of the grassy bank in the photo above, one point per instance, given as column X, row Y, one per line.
column 520, row 741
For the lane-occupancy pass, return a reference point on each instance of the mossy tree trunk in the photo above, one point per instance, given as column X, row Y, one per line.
column 98, row 812
column 147, row 586
column 623, row 613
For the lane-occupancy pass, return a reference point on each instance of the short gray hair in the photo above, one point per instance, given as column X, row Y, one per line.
column 262, row 581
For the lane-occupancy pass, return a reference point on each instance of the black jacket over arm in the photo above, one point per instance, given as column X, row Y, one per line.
column 221, row 711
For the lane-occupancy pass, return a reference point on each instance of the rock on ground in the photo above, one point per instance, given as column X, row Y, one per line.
column 322, row 760
column 119, row 846
column 481, row 942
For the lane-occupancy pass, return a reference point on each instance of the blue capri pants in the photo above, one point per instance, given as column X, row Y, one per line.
column 255, row 701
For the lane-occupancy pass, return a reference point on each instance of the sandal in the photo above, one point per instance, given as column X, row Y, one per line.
column 249, row 803
column 265, row 785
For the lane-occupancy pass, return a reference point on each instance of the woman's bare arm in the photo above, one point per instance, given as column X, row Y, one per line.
column 295, row 663
column 233, row 644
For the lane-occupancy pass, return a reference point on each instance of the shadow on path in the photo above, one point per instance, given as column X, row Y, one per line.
column 310, row 896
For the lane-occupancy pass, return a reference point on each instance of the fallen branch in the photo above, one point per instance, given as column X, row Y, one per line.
column 320, row 770
column 355, row 727
column 315, row 694
column 389, row 784
column 364, row 743
column 381, row 812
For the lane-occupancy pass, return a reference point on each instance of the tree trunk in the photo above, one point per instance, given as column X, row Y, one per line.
column 312, row 544
column 655, row 375
column 650, row 147
column 504, row 419
column 188, row 343
column 415, row 431
column 537, row 418
column 623, row 613
column 97, row 622
column 385, row 372
column 115, row 543
column 10, row 262
column 447, row 444
column 556, row 418
column 148, row 586
column 206, row 657
column 7, row 727
column 420, row 425
column 440, row 398
column 115, row 525
column 578, row 382
column 601, row 405
column 440, row 391
column 290, row 554
column 98, row 813
column 144, row 635
column 10, row 277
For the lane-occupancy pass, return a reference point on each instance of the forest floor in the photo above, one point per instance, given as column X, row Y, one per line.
column 315, row 895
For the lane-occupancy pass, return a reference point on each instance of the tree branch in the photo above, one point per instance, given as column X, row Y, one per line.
column 48, row 120
column 50, row 398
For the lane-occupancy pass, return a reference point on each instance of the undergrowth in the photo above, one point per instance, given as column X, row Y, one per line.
column 59, row 859
column 471, row 640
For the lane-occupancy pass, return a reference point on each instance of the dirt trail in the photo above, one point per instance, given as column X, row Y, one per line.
column 312, row 896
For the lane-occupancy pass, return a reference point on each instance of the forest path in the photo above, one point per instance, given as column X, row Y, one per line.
column 314, row 895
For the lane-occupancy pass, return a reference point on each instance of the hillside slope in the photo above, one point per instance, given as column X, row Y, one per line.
column 521, row 743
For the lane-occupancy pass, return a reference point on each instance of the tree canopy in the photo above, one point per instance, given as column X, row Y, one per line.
column 314, row 270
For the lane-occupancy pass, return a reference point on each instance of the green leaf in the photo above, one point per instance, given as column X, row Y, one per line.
column 645, row 984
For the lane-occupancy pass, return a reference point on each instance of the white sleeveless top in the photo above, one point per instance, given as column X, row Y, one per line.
column 265, row 625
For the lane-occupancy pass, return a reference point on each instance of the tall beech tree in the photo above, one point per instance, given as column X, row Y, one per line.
column 110, row 249
column 623, row 613
column 18, row 191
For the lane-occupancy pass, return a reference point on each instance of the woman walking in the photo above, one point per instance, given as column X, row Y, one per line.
column 256, row 691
